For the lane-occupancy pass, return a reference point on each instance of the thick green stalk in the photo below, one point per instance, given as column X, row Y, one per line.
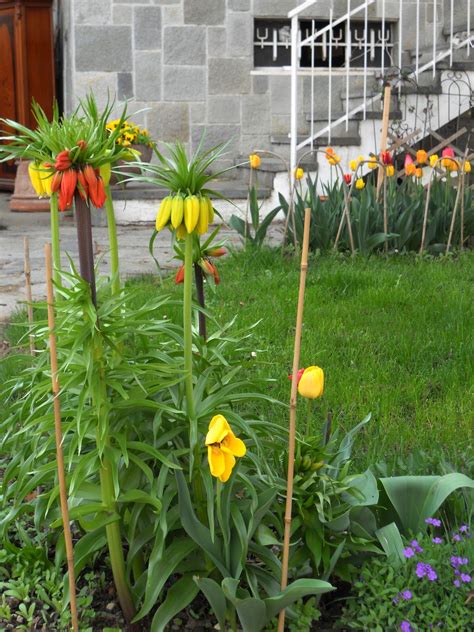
column 113, row 243
column 55, row 247
column 188, row 338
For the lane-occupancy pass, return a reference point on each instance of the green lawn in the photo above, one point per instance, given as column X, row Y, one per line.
column 394, row 338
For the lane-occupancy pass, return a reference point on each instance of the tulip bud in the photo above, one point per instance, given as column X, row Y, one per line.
column 347, row 178
column 216, row 252
column 311, row 383
column 421, row 157
column 255, row 161
column 179, row 278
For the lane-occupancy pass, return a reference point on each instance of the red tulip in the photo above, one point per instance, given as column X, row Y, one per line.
column 347, row 178
column 448, row 152
column 386, row 158
column 68, row 186
column 179, row 278
column 298, row 376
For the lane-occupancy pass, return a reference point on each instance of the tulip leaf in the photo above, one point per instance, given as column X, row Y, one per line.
column 295, row 591
column 180, row 595
column 215, row 596
column 391, row 541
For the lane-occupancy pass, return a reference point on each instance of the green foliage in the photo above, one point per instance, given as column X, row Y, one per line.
column 380, row 600
column 255, row 231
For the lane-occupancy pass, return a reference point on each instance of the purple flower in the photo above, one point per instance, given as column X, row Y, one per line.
column 406, row 594
column 433, row 521
column 458, row 561
column 408, row 552
column 457, row 583
column 416, row 546
column 425, row 570
column 431, row 574
column 420, row 569
column 464, row 560
column 465, row 578
column 395, row 600
column 464, row 528
column 456, row 572
column 405, row 626
column 457, row 537
column 437, row 540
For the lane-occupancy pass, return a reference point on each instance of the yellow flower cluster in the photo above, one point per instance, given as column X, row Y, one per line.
column 185, row 214
column 130, row 134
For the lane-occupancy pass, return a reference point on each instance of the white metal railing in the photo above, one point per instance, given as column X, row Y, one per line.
column 360, row 36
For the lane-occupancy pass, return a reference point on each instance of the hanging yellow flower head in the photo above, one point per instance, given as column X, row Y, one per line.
column 299, row 173
column 360, row 184
column 222, row 448
column 255, row 161
column 311, row 382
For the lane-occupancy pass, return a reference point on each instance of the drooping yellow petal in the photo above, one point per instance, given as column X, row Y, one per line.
column 218, row 429
column 229, row 462
column 311, row 384
column 234, row 444
column 216, row 458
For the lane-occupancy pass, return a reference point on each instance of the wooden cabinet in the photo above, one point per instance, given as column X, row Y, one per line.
column 26, row 65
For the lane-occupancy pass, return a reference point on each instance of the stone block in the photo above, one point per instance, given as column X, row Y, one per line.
column 204, row 12
column 251, row 142
column 238, row 5
column 215, row 135
column 216, row 41
column 255, row 114
column 102, row 84
column 184, row 83
column 229, row 76
column 122, row 14
column 184, row 45
column 92, row 12
column 169, row 122
column 280, row 124
column 173, row 15
column 148, row 75
column 240, row 35
column 260, row 84
column 103, row 48
column 124, row 85
column 166, row 1
column 198, row 113
column 147, row 28
column 273, row 8
column 280, row 94
column 224, row 110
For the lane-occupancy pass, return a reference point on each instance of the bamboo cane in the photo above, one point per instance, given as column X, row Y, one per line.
column 384, row 135
column 461, row 236
column 29, row 294
column 455, row 209
column 292, row 429
column 58, row 437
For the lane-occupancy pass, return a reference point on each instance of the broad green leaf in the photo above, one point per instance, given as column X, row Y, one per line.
column 391, row 541
column 297, row 590
column 215, row 596
column 139, row 496
column 180, row 595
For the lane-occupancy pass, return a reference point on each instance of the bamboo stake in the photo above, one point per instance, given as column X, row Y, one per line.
column 383, row 138
column 461, row 237
column 29, row 294
column 292, row 430
column 385, row 211
column 455, row 209
column 58, row 437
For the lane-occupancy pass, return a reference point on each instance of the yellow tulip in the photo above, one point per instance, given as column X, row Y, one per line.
column 360, row 184
column 311, row 383
column 433, row 160
column 255, row 161
column 222, row 448
column 372, row 165
column 390, row 171
column 419, row 172
column 299, row 173
column 421, row 157
column 360, row 158
column 467, row 167
column 353, row 165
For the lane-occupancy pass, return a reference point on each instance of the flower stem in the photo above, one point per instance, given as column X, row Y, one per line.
column 113, row 243
column 188, row 339
column 199, row 278
column 84, row 241
column 55, row 247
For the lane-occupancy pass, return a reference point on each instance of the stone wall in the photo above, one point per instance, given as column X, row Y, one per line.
column 188, row 64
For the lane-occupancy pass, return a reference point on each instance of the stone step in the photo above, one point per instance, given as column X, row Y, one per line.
column 231, row 189
column 395, row 115
column 336, row 139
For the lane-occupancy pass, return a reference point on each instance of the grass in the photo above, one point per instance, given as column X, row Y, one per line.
column 394, row 338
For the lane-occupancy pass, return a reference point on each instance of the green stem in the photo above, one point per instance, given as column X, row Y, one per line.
column 223, row 526
column 55, row 247
column 308, row 417
column 188, row 339
column 113, row 243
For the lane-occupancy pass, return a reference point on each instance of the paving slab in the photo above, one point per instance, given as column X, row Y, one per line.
column 133, row 244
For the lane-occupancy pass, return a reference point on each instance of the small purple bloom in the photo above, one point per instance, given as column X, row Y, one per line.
column 464, row 560
column 437, row 540
column 425, row 570
column 464, row 528
column 456, row 561
column 433, row 521
column 416, row 546
column 420, row 569
column 465, row 578
column 406, row 594
column 431, row 574
column 457, row 537
column 457, row 583
column 408, row 552
column 456, row 572
column 405, row 626
column 395, row 600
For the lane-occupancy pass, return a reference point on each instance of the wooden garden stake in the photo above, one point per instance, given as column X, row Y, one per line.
column 383, row 139
column 58, row 437
column 461, row 237
column 29, row 295
column 292, row 429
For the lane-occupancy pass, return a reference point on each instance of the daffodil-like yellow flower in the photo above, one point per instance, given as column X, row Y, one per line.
column 360, row 184
column 433, row 160
column 390, row 171
column 421, row 157
column 299, row 173
column 311, row 382
column 255, row 161
column 467, row 167
column 419, row 173
column 353, row 164
column 372, row 164
column 222, row 448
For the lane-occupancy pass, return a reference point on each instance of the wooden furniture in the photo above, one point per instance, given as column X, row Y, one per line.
column 26, row 65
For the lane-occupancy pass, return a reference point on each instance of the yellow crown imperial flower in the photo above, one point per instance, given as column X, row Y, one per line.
column 360, row 184
column 255, row 161
column 311, row 382
column 222, row 448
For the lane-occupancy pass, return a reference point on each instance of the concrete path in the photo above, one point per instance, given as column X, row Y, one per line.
column 133, row 243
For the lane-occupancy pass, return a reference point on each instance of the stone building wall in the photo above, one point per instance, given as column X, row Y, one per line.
column 189, row 64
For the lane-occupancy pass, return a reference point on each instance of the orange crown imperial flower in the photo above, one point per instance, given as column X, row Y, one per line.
column 66, row 191
column 63, row 161
column 222, row 448
column 311, row 382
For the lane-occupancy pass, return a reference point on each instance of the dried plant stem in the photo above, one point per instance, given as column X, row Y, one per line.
column 461, row 237
column 29, row 295
column 199, row 279
column 55, row 243
column 85, row 245
column 292, row 428
column 385, row 212
column 58, row 438
column 455, row 210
